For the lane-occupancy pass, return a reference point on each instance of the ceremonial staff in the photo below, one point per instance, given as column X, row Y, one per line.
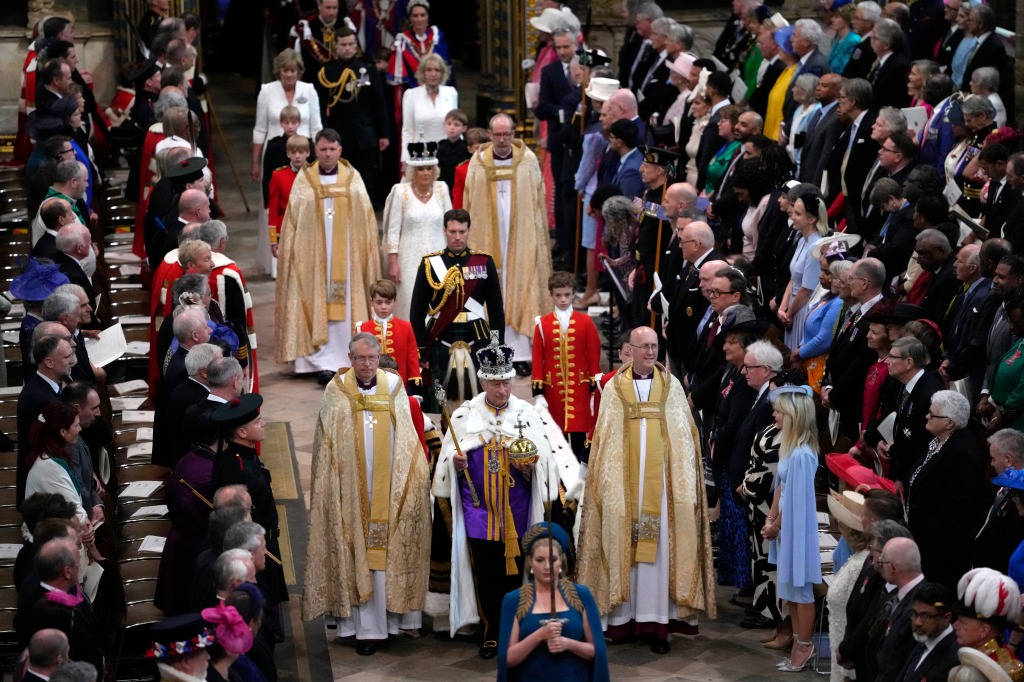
column 209, row 504
column 442, row 398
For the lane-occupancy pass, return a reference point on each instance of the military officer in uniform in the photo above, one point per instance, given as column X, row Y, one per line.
column 314, row 37
column 452, row 289
column 657, row 170
column 988, row 603
column 352, row 102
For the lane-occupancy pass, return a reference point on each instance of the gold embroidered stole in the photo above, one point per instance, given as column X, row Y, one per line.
column 498, row 482
column 375, row 523
column 646, row 520
column 339, row 193
column 496, row 174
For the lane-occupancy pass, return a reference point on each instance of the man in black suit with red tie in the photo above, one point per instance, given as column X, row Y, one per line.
column 888, row 75
column 935, row 652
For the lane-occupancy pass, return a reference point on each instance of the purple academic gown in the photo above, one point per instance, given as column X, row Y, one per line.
column 189, row 521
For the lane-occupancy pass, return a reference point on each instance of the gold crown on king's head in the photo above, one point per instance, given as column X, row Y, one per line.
column 495, row 361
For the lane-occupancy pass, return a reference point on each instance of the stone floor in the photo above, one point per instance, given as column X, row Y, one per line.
column 722, row 652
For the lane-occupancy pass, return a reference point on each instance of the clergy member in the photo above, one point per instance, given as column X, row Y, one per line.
column 326, row 265
column 368, row 557
column 505, row 195
column 649, row 568
column 495, row 495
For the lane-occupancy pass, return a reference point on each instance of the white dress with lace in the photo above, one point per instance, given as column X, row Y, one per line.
column 413, row 229
column 839, row 592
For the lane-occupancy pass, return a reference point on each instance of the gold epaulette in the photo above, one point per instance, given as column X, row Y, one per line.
column 473, row 252
column 435, row 253
column 281, row 168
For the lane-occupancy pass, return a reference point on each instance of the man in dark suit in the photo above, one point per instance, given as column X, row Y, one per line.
column 990, row 51
column 906, row 362
column 54, row 357
column 718, row 88
column 896, row 155
column 773, row 68
column 894, row 243
column 732, row 38
column 927, row 25
column 1001, row 197
column 726, row 289
column 935, row 652
column 47, row 649
column 359, row 116
column 952, row 37
column 822, row 130
column 864, row 19
column 1002, row 529
column 936, row 258
column 170, row 422
column 850, row 358
column 806, row 39
column 960, row 325
column 68, row 307
column 686, row 302
column 855, row 152
column 53, row 82
column 1013, row 229
column 57, row 564
column 55, row 213
column 631, row 73
column 190, row 328
column 893, row 640
column 555, row 84
column 866, row 602
column 888, row 76
column 74, row 253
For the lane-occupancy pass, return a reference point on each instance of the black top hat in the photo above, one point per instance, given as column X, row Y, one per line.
column 592, row 58
column 187, row 171
column 237, row 412
column 179, row 636
column 901, row 314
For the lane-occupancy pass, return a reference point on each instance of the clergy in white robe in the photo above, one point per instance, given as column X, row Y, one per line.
column 368, row 558
column 645, row 542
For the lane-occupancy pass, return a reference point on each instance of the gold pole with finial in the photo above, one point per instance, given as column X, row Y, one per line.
column 442, row 398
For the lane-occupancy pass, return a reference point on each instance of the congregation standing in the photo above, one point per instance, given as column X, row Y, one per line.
column 807, row 241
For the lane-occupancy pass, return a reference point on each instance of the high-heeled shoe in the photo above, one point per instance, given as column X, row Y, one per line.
column 790, row 668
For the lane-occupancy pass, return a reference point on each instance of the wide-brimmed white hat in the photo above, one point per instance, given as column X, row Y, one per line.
column 600, row 89
column 682, row 64
column 552, row 19
column 846, row 508
column 840, row 242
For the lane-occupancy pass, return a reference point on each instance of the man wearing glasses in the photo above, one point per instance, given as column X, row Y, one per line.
column 931, row 612
column 900, row 565
column 906, row 362
column 369, row 537
column 504, row 183
column 650, row 572
column 937, row 285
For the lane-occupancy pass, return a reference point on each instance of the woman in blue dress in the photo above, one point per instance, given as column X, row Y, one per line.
column 532, row 645
column 792, row 526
